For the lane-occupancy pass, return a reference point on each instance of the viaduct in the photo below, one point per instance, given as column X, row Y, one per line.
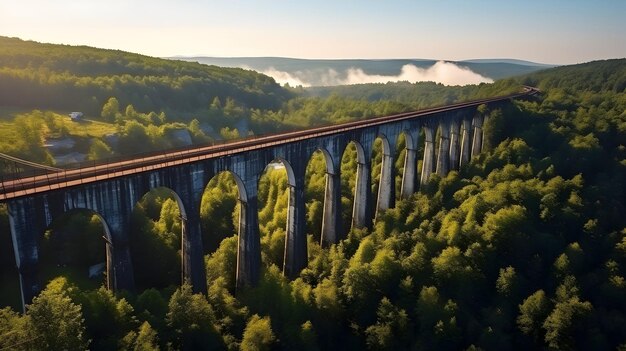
column 112, row 190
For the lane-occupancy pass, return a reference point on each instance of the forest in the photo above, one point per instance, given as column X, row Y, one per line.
column 524, row 248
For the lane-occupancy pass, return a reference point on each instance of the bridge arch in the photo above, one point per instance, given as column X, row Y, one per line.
column 386, row 144
column 291, row 177
column 360, row 151
column 241, row 188
column 410, row 142
column 217, row 204
column 428, row 160
column 158, row 229
column 328, row 159
column 282, row 217
column 319, row 174
column 407, row 154
column 466, row 141
column 78, row 243
column 443, row 148
column 455, row 144
column 383, row 173
column 360, row 190
column 221, row 216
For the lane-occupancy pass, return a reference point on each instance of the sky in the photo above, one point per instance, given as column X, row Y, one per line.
column 546, row 31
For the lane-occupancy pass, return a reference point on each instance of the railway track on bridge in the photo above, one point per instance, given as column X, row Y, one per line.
column 19, row 187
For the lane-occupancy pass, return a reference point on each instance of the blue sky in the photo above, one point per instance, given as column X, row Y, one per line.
column 549, row 31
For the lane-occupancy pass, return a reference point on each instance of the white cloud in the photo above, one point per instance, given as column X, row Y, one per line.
column 283, row 78
column 446, row 73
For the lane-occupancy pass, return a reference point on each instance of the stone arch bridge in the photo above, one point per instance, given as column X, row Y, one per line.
column 112, row 190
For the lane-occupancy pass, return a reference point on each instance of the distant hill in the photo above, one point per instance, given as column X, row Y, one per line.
column 335, row 72
column 594, row 76
column 511, row 61
column 80, row 78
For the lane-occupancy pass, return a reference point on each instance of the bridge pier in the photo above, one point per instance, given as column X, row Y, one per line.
column 361, row 210
column 409, row 173
column 477, row 141
column 386, row 187
column 443, row 154
column 454, row 145
column 123, row 275
column 466, row 142
column 331, row 217
column 249, row 244
column 429, row 156
column 26, row 221
column 295, row 257
column 192, row 252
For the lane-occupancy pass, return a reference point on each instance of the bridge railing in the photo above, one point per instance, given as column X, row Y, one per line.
column 10, row 170
column 16, row 177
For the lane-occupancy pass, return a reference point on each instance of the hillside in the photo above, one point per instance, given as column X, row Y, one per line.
column 131, row 103
column 597, row 76
column 79, row 78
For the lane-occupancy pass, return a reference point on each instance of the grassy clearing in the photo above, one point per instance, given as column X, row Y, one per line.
column 87, row 128
column 90, row 128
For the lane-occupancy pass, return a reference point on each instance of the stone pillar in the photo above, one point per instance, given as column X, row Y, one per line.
column 466, row 142
column 295, row 258
column 386, row 186
column 124, row 276
column 477, row 142
column 429, row 156
column 249, row 246
column 443, row 154
column 110, row 266
column 26, row 218
column 331, row 218
column 361, row 211
column 454, row 145
column 192, row 252
column 409, row 173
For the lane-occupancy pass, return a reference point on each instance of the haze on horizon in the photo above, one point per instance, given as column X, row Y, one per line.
column 557, row 32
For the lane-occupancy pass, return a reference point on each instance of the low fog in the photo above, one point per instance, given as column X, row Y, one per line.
column 446, row 73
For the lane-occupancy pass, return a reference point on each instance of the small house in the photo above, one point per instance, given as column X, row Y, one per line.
column 76, row 116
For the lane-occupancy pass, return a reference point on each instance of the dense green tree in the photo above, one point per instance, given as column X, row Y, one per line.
column 223, row 262
column 144, row 339
column 258, row 334
column 99, row 150
column 67, row 332
column 191, row 320
column 107, row 319
column 156, row 233
column 110, row 110
column 391, row 329
column 219, row 211
column 533, row 312
column 16, row 331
